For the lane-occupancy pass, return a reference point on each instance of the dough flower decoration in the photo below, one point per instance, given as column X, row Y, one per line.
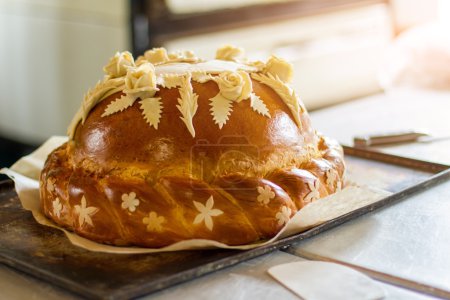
column 51, row 185
column 130, row 202
column 314, row 191
column 154, row 222
column 206, row 213
column 283, row 215
column 265, row 194
column 57, row 207
column 85, row 213
column 333, row 179
column 119, row 64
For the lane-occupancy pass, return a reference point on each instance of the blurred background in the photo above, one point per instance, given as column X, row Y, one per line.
column 52, row 51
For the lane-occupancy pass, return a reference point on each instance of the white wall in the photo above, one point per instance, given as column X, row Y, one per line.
column 51, row 51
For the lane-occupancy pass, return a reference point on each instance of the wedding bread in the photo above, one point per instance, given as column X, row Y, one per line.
column 170, row 147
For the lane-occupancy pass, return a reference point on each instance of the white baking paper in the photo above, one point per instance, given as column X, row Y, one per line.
column 318, row 280
column 25, row 173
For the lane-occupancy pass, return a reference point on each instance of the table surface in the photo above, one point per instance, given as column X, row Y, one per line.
column 409, row 240
column 399, row 110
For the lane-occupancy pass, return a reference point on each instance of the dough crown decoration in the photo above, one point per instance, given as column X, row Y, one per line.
column 141, row 80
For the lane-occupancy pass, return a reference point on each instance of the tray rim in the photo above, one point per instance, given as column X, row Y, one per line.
column 403, row 161
column 440, row 173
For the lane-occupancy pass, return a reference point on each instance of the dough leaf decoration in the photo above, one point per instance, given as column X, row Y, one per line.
column 151, row 110
column 187, row 103
column 221, row 108
column 101, row 90
column 286, row 93
column 202, row 77
column 258, row 105
column 88, row 99
column 169, row 81
column 118, row 105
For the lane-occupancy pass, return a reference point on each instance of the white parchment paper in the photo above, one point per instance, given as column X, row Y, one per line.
column 321, row 280
column 25, row 173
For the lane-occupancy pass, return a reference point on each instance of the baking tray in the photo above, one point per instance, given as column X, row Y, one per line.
column 46, row 253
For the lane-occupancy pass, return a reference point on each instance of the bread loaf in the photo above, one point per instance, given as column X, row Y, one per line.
column 170, row 147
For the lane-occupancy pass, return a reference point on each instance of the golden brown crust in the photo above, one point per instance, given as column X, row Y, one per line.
column 120, row 181
column 124, row 139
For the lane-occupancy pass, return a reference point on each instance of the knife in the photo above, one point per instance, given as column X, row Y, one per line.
column 388, row 138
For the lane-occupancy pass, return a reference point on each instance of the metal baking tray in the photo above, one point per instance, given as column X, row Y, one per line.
column 45, row 252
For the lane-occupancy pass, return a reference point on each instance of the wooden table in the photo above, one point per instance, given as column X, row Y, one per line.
column 408, row 241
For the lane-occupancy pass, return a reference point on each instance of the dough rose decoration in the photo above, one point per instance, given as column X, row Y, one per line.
column 154, row 56
column 231, row 53
column 156, row 157
column 183, row 56
column 119, row 64
column 141, row 81
column 279, row 68
column 233, row 87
